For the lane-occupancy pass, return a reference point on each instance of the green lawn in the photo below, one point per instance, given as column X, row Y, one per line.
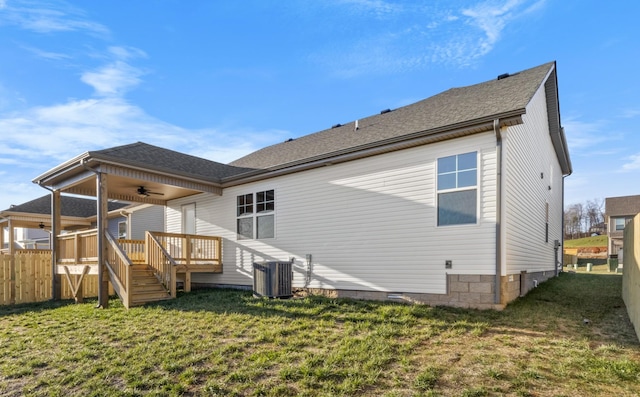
column 226, row 343
column 595, row 241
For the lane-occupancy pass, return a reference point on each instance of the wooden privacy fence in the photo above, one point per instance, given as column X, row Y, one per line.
column 32, row 277
column 631, row 271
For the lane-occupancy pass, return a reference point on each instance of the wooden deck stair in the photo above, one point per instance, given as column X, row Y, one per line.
column 146, row 286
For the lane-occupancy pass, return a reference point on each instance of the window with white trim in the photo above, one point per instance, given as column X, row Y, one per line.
column 457, row 187
column 122, row 230
column 256, row 215
column 620, row 223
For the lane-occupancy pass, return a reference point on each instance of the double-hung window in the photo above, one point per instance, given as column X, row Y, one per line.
column 457, row 187
column 620, row 224
column 255, row 215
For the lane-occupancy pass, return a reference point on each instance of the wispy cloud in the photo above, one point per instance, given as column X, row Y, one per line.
column 379, row 8
column 416, row 36
column 113, row 79
column 48, row 17
column 488, row 20
column 54, row 56
column 583, row 134
column 632, row 164
column 631, row 113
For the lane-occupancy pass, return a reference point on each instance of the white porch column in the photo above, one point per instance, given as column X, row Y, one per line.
column 103, row 227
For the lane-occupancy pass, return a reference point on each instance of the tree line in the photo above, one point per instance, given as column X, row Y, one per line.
column 584, row 219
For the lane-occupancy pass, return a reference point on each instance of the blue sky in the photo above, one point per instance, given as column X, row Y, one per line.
column 219, row 79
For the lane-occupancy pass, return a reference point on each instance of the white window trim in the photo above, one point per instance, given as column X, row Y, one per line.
column 126, row 229
column 476, row 187
column 254, row 215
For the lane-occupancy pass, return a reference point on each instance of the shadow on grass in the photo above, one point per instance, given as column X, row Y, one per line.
column 575, row 306
column 21, row 308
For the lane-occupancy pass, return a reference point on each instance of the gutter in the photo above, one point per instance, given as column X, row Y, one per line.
column 370, row 149
column 498, row 280
column 74, row 162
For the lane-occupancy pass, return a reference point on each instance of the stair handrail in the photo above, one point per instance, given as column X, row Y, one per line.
column 166, row 274
column 117, row 263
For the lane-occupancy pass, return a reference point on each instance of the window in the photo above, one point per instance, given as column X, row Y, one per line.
column 620, row 223
column 546, row 229
column 457, row 189
column 258, row 218
column 122, row 230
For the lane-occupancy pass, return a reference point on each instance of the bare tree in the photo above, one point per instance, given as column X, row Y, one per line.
column 579, row 218
column 594, row 213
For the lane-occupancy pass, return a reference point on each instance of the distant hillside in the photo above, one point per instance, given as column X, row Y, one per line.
column 595, row 241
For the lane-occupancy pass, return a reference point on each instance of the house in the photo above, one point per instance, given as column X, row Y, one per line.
column 453, row 200
column 29, row 223
column 618, row 212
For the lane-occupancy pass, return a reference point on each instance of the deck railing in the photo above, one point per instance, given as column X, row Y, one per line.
column 135, row 249
column 168, row 254
column 189, row 249
column 78, row 248
column 160, row 261
column 119, row 265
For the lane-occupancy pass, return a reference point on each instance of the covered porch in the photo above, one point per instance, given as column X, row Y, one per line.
column 138, row 270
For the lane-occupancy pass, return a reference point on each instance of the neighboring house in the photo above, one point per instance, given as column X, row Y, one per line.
column 31, row 221
column 618, row 212
column 598, row 229
column 453, row 200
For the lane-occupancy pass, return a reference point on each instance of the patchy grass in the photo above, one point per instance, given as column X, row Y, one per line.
column 226, row 343
column 595, row 241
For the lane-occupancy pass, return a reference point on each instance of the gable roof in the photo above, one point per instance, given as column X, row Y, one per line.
column 458, row 108
column 69, row 206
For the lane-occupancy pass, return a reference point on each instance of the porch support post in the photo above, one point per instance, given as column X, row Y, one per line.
column 103, row 276
column 56, row 222
column 12, row 264
column 2, row 235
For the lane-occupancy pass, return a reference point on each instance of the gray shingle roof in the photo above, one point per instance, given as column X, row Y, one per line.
column 69, row 206
column 169, row 161
column 622, row 206
column 454, row 107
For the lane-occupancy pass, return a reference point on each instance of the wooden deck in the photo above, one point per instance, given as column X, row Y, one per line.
column 140, row 271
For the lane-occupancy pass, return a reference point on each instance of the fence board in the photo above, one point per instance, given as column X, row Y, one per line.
column 33, row 279
column 5, row 280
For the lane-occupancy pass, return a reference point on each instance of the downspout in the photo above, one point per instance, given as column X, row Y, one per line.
column 498, row 280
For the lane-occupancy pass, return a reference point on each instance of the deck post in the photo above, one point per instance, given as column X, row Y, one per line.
column 12, row 264
column 56, row 223
column 103, row 276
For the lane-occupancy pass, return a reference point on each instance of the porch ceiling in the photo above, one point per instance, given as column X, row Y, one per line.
column 33, row 221
column 126, row 189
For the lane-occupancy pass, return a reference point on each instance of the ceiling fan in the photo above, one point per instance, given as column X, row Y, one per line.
column 144, row 192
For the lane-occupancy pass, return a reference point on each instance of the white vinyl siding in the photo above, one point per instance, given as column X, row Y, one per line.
column 533, row 192
column 369, row 224
column 150, row 218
